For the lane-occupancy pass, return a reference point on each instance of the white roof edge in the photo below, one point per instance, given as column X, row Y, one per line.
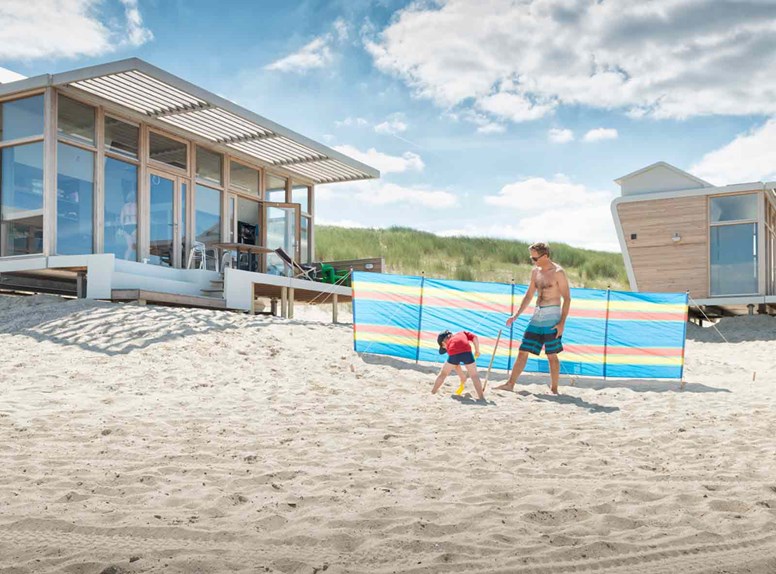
column 733, row 188
column 681, row 172
column 137, row 64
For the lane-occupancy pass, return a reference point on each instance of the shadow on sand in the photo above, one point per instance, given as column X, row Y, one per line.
column 593, row 383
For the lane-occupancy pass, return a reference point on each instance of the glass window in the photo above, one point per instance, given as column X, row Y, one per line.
column 120, row 209
column 184, row 211
column 276, row 189
column 243, row 178
column 21, row 118
column 248, row 231
column 207, row 215
column 209, row 165
column 121, row 137
column 76, row 121
column 162, row 223
column 299, row 194
column 167, row 150
column 734, row 259
column 21, row 199
column 304, row 239
column 733, row 207
column 281, row 232
column 75, row 191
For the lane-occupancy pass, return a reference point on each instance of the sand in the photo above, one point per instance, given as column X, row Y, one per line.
column 152, row 439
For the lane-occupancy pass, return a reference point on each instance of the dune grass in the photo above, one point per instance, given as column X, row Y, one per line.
column 410, row 252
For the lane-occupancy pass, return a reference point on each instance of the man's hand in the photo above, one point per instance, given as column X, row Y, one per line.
column 511, row 320
column 559, row 328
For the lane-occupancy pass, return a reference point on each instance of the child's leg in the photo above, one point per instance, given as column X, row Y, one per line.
column 447, row 368
column 472, row 370
column 462, row 377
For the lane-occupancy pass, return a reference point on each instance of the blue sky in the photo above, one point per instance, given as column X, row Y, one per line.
column 490, row 117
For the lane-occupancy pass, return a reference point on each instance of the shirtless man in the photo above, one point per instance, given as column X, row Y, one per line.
column 549, row 318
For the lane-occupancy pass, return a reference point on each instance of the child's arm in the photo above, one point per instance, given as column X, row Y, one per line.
column 476, row 342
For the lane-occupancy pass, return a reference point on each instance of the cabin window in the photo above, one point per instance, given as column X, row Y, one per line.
column 167, row 150
column 734, row 208
column 276, row 189
column 21, row 118
column 121, row 138
column 75, row 200
column 76, row 121
column 210, row 166
column 120, row 211
column 733, row 241
column 21, row 199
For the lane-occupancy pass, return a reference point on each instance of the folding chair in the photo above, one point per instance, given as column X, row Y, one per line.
column 298, row 271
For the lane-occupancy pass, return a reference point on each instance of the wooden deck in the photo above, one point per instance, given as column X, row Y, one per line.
column 157, row 298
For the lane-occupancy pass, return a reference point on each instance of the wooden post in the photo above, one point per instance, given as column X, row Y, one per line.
column 334, row 306
column 253, row 300
column 290, row 302
column 80, row 286
column 273, row 307
column 284, row 302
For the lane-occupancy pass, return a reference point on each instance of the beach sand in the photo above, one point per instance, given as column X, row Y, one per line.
column 153, row 439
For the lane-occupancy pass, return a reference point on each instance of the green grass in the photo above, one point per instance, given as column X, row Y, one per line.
column 410, row 252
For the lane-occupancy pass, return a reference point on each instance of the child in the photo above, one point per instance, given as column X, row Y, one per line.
column 458, row 348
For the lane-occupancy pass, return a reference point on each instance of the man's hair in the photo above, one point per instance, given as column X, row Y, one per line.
column 541, row 248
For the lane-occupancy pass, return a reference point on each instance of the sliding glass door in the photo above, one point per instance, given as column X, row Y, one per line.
column 281, row 221
column 167, row 224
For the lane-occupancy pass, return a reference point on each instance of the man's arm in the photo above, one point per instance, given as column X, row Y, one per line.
column 526, row 299
column 565, row 292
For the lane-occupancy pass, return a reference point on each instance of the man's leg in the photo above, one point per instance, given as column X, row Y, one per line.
column 447, row 368
column 522, row 359
column 554, row 372
column 472, row 370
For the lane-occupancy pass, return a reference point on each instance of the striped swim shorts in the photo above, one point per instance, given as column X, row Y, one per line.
column 541, row 332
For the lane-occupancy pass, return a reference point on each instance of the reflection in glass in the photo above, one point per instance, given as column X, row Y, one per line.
column 75, row 193
column 244, row 179
column 281, row 232
column 167, row 150
column 733, row 208
column 304, row 239
column 184, row 211
column 162, row 197
column 21, row 118
column 121, row 209
column 734, row 259
column 209, row 165
column 21, row 199
column 121, row 137
column 207, row 216
column 76, row 120
column 276, row 189
column 299, row 194
column 248, row 231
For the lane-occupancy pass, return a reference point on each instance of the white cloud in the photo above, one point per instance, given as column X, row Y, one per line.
column 554, row 210
column 392, row 126
column 66, row 29
column 559, row 135
column 663, row 58
column 386, row 163
column 491, row 128
column 351, row 122
column 378, row 192
column 599, row 134
column 749, row 157
column 316, row 54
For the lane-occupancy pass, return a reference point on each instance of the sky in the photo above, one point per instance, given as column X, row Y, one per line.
column 497, row 118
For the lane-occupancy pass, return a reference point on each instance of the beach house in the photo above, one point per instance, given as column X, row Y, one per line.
column 681, row 233
column 122, row 181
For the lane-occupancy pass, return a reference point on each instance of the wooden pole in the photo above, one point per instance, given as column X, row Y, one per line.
column 284, row 302
column 492, row 358
column 334, row 308
column 290, row 302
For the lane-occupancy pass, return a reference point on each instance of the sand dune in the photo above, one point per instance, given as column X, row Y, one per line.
column 142, row 439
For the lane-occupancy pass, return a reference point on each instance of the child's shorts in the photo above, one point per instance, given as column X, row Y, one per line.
column 465, row 358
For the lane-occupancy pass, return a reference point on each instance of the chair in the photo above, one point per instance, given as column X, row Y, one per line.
column 199, row 249
column 334, row 277
column 298, row 271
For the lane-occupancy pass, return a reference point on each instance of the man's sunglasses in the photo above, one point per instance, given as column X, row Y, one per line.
column 535, row 259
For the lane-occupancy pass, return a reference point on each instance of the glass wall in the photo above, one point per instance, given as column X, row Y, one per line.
column 167, row 150
column 121, row 138
column 21, row 199
column 162, row 228
column 207, row 215
column 75, row 121
column 210, row 166
column 244, row 179
column 276, row 189
column 281, row 232
column 75, row 194
column 301, row 194
column 248, row 231
column 21, row 118
column 304, row 240
column 120, row 209
column 733, row 249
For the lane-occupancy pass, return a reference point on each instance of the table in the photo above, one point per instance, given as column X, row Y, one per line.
column 242, row 248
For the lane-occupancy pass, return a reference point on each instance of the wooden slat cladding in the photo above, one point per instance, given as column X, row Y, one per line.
column 376, row 264
column 659, row 263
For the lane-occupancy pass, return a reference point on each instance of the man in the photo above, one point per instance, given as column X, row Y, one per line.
column 549, row 319
column 459, row 350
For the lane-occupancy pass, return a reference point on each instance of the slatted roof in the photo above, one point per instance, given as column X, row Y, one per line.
column 143, row 88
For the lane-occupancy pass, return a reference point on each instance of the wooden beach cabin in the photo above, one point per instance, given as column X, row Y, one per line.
column 681, row 233
column 111, row 175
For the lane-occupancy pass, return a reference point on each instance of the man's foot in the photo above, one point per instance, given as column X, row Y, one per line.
column 554, row 390
column 505, row 387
